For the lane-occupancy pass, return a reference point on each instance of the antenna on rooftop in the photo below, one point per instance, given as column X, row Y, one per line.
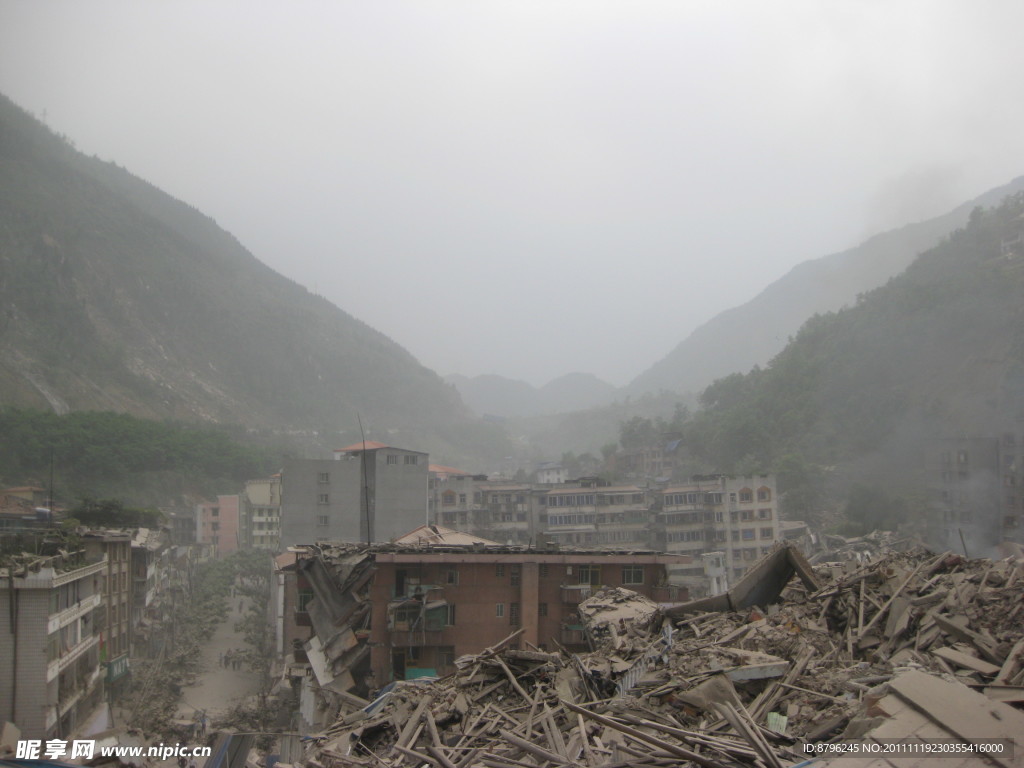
column 366, row 485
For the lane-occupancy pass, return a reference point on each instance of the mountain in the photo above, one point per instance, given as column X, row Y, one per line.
column 751, row 334
column 936, row 352
column 494, row 395
column 118, row 297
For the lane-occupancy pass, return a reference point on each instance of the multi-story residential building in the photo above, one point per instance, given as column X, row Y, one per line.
column 737, row 516
column 454, row 497
column 150, row 568
column 505, row 512
column 181, row 521
column 261, row 514
column 116, row 616
column 389, row 613
column 51, row 624
column 551, row 473
column 978, row 493
column 217, row 523
column 369, row 492
column 593, row 515
column 656, row 462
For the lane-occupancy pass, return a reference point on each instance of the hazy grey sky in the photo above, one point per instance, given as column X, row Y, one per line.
column 534, row 188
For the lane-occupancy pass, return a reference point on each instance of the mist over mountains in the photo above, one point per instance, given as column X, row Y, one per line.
column 118, row 297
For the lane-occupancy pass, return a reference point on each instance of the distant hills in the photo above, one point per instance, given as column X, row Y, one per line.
column 115, row 296
column 493, row 395
column 736, row 340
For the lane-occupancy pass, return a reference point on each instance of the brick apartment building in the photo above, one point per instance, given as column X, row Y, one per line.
column 217, row 523
column 373, row 614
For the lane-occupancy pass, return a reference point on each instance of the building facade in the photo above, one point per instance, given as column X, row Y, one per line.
column 261, row 514
column 217, row 523
column 52, row 619
column 977, row 487
column 384, row 613
column 737, row 516
column 116, row 617
column 369, row 492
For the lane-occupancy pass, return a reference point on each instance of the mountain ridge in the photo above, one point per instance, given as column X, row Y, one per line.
column 737, row 339
column 119, row 297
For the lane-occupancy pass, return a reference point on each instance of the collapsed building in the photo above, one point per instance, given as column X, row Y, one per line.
column 350, row 619
column 912, row 648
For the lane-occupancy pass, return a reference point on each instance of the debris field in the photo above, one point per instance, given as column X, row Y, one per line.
column 820, row 662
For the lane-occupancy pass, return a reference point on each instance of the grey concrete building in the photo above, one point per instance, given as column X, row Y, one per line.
column 51, row 621
column 369, row 492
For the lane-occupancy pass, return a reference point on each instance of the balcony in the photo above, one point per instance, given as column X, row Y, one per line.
column 70, row 696
column 574, row 594
column 77, row 652
column 68, row 615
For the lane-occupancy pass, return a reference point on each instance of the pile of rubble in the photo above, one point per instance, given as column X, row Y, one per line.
column 841, row 651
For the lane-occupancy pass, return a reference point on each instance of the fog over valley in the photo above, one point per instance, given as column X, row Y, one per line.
column 529, row 189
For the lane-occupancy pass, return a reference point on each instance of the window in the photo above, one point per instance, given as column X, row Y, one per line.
column 323, row 498
column 766, row 533
column 392, row 459
column 215, row 526
column 589, row 574
column 764, row 514
column 513, row 614
column 632, row 574
column 323, row 477
column 451, row 577
column 499, row 610
column 322, row 520
column 748, row 534
column 451, row 615
column 499, row 571
column 764, row 493
column 215, row 511
column 735, row 535
column 448, row 499
column 515, row 575
column 411, row 460
column 305, row 595
column 462, row 498
column 543, row 569
column 746, row 495
column 542, row 609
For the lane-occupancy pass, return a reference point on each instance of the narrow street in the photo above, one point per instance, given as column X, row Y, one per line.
column 220, row 687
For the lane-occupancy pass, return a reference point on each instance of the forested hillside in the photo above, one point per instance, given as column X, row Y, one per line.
column 91, row 454
column 118, row 297
column 938, row 351
column 751, row 334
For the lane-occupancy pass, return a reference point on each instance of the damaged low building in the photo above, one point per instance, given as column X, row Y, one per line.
column 383, row 613
column 833, row 665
